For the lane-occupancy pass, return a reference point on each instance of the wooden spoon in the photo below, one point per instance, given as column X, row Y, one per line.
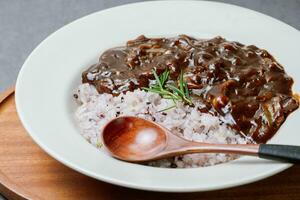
column 135, row 139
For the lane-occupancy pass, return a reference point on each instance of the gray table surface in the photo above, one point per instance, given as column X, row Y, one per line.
column 24, row 24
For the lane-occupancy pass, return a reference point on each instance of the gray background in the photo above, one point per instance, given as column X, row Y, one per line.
column 25, row 23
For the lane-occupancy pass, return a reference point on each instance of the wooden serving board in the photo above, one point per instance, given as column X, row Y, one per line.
column 27, row 172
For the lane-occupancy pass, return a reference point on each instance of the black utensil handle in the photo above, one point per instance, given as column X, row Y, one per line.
column 286, row 153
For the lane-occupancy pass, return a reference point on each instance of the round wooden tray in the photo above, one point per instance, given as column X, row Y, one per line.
column 27, row 172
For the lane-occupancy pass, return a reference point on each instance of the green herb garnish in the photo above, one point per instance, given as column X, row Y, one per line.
column 170, row 91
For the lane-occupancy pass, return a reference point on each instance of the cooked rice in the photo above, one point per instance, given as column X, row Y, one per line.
column 97, row 109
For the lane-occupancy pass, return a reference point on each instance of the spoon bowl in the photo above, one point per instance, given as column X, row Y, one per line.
column 131, row 138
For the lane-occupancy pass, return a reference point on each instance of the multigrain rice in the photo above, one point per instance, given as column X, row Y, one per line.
column 96, row 109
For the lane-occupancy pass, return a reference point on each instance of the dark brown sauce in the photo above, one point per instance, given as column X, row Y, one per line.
column 244, row 85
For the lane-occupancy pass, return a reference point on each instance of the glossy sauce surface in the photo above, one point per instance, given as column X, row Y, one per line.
column 244, row 85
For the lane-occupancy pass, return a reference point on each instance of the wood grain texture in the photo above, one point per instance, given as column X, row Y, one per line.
column 27, row 172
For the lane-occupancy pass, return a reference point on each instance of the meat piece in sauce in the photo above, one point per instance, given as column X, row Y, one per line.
column 126, row 68
column 244, row 85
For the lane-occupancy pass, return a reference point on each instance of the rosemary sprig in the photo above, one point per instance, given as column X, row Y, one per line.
column 170, row 91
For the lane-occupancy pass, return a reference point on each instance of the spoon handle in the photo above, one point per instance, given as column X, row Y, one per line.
column 286, row 153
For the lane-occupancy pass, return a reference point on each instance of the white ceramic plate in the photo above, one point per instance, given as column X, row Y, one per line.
column 49, row 75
